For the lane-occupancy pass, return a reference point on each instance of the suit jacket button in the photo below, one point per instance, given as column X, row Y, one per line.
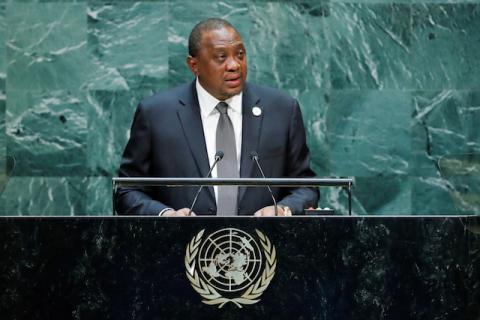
column 211, row 211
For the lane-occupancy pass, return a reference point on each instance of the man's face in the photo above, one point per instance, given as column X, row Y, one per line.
column 221, row 63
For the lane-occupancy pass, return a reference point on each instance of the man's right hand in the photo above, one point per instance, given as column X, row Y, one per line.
column 179, row 213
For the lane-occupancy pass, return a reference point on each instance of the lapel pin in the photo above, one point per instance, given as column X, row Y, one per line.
column 256, row 111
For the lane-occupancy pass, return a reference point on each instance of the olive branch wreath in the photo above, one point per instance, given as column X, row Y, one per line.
column 208, row 292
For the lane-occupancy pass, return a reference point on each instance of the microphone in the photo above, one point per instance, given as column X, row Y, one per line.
column 218, row 156
column 254, row 157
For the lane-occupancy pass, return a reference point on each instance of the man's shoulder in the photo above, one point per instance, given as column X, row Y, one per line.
column 167, row 98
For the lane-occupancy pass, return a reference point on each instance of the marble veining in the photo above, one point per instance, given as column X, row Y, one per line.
column 387, row 90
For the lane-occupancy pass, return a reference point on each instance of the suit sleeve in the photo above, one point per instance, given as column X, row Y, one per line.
column 136, row 162
column 298, row 165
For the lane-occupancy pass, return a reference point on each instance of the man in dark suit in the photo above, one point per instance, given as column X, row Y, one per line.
column 177, row 133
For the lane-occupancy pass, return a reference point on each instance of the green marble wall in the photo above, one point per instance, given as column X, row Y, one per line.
column 387, row 88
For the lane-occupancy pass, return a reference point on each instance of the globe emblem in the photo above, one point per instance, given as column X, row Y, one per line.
column 229, row 260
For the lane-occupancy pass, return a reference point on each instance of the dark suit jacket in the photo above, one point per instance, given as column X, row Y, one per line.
column 167, row 140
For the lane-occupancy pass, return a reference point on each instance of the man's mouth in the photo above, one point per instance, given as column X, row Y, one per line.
column 234, row 82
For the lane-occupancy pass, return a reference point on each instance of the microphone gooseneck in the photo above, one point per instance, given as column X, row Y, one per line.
column 218, row 156
column 254, row 157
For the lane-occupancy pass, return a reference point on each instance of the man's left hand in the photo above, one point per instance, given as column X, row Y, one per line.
column 269, row 212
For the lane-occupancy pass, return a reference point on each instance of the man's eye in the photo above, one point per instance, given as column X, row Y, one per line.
column 220, row 57
column 241, row 54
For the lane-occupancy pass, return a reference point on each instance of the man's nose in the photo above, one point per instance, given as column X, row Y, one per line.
column 232, row 64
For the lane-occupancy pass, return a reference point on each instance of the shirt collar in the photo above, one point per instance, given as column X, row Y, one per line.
column 208, row 102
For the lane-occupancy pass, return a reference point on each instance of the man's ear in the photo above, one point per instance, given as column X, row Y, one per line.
column 192, row 64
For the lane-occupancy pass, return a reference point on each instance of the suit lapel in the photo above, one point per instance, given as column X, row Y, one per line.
column 251, row 128
column 191, row 121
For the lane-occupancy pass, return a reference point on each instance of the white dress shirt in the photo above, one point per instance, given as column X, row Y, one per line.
column 210, row 117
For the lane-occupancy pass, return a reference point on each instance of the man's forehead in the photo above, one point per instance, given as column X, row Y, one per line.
column 224, row 43
column 222, row 37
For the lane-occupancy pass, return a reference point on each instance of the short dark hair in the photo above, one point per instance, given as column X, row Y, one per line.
column 195, row 38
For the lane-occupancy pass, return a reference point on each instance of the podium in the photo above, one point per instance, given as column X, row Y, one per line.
column 338, row 267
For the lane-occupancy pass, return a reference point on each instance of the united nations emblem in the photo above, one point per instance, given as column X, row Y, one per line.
column 230, row 266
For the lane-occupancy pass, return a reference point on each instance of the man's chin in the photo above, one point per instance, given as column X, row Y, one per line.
column 230, row 92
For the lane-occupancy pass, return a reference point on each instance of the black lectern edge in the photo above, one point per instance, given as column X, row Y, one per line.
column 306, row 217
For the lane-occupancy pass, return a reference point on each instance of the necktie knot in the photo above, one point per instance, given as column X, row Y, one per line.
column 222, row 107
